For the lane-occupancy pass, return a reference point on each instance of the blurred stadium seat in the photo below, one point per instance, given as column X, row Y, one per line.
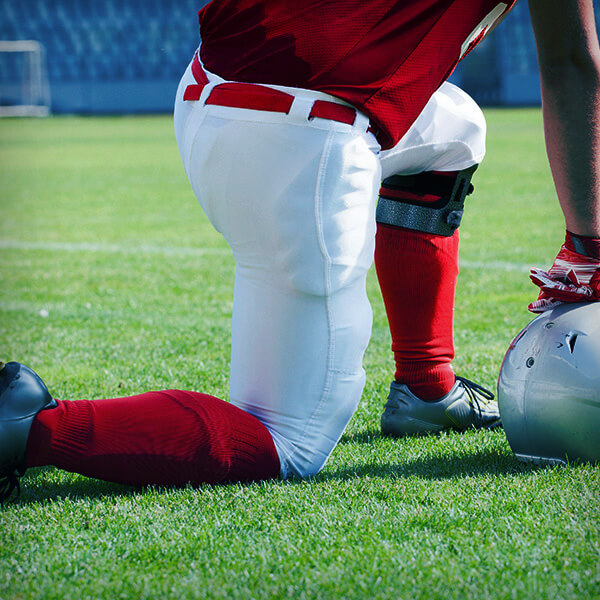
column 114, row 56
column 503, row 68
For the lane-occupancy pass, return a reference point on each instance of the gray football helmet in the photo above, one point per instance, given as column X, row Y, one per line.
column 549, row 387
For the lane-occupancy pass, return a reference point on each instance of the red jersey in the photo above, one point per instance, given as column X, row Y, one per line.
column 385, row 57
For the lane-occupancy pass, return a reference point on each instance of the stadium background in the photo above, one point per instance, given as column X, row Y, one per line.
column 126, row 56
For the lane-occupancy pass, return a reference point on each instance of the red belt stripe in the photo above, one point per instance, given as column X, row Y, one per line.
column 335, row 112
column 261, row 97
column 250, row 95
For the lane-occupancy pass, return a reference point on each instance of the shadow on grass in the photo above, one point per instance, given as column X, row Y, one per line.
column 469, row 464
column 37, row 486
column 439, row 464
column 360, row 437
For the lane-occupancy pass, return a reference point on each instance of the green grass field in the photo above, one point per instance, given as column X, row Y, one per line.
column 112, row 283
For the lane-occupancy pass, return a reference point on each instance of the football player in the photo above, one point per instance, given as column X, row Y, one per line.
column 287, row 120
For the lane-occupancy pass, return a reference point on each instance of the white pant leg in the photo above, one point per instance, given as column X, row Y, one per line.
column 448, row 135
column 296, row 202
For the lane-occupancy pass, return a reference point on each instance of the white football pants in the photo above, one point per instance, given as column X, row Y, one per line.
column 295, row 199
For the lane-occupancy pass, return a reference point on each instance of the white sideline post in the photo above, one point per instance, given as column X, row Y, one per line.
column 32, row 91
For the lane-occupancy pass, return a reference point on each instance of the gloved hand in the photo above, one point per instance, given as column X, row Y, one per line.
column 574, row 276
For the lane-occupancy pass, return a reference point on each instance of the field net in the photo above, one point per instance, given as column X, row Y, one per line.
column 24, row 88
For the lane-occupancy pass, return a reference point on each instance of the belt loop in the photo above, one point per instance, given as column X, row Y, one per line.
column 194, row 92
column 362, row 121
column 207, row 90
column 301, row 107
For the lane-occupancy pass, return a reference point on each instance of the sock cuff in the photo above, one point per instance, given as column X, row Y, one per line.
column 429, row 384
column 417, row 372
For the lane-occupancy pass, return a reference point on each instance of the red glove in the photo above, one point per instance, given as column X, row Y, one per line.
column 574, row 276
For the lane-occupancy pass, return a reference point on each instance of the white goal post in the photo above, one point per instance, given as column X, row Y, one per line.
column 24, row 87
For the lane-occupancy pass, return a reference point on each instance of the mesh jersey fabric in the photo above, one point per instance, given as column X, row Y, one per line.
column 385, row 57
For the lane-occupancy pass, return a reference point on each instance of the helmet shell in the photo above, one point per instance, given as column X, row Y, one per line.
column 549, row 386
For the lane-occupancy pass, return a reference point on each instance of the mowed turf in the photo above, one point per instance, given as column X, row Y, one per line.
column 113, row 283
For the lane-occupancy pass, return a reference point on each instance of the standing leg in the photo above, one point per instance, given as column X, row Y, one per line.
column 426, row 180
column 421, row 321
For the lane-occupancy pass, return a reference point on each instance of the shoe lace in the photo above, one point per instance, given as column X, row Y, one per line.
column 9, row 482
column 476, row 393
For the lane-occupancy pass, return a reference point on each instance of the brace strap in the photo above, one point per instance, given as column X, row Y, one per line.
column 432, row 202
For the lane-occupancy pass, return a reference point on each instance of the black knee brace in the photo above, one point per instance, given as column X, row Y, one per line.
column 432, row 202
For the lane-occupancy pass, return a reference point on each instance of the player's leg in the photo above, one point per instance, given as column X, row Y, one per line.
column 426, row 178
column 297, row 205
column 300, row 218
column 170, row 437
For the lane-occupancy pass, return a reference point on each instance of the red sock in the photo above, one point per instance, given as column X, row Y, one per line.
column 163, row 438
column 417, row 274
